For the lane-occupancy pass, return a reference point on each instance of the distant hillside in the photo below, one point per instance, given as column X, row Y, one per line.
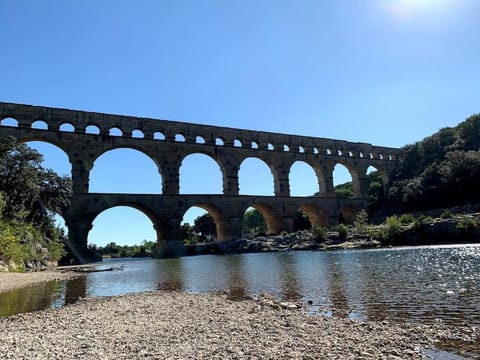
column 442, row 170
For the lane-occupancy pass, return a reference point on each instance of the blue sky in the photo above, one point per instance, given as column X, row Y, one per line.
column 388, row 72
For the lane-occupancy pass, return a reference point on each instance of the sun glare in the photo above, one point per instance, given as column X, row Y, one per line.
column 405, row 10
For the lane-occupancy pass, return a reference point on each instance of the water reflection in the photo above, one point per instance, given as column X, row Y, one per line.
column 31, row 298
column 289, row 280
column 170, row 273
column 336, row 288
column 236, row 284
column 75, row 289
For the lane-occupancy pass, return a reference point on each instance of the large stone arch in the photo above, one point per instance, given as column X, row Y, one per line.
column 354, row 173
column 317, row 215
column 268, row 166
column 320, row 176
column 212, row 156
column 96, row 155
column 347, row 213
column 382, row 170
column 273, row 217
column 159, row 226
column 225, row 228
column 45, row 139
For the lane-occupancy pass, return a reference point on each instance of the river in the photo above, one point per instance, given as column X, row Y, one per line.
column 421, row 284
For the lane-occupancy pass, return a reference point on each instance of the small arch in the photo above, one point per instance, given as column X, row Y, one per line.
column 158, row 135
column 115, row 131
column 328, row 151
column 286, row 148
column 200, row 174
column 370, row 155
column 380, row 156
column 303, row 180
column 92, row 129
column 350, row 153
column 360, row 154
column 315, row 151
column 138, row 134
column 219, row 141
column 179, row 137
column 40, row 125
column 200, row 140
column 255, row 177
column 339, row 152
column 237, row 143
column 254, row 145
column 270, row 146
column 301, row 149
column 67, row 127
column 11, row 122
column 390, row 157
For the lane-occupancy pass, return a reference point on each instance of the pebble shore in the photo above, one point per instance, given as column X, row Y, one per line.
column 172, row 325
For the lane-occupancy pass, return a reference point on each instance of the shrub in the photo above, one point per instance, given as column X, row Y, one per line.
column 421, row 222
column 467, row 224
column 394, row 227
column 407, row 218
column 319, row 233
column 446, row 214
column 342, row 230
column 360, row 222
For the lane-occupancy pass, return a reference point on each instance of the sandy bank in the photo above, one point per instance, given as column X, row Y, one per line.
column 10, row 281
column 185, row 326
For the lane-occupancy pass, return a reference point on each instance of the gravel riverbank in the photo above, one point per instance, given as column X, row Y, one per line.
column 175, row 325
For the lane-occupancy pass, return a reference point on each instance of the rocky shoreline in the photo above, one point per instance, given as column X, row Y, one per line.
column 297, row 241
column 175, row 325
column 432, row 232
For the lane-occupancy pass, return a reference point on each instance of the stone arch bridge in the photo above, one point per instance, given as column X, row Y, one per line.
column 84, row 136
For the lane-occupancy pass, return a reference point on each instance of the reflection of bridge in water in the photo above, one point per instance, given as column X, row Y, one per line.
column 84, row 136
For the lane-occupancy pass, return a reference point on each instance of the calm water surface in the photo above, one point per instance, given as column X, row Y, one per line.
column 407, row 284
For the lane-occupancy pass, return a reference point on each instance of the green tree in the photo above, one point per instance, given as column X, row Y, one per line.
column 30, row 196
column 301, row 221
column 205, row 226
column 344, row 190
column 253, row 222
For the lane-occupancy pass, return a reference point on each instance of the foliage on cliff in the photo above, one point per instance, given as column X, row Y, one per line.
column 29, row 196
column 441, row 170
